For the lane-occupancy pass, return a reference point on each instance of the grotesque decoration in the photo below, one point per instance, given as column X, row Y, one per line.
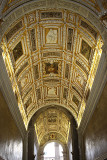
column 75, row 100
column 65, row 94
column 89, row 28
column 85, row 50
column 38, row 92
column 17, row 51
column 70, row 34
column 67, row 71
column 36, row 72
column 29, row 101
column 51, row 15
column 22, row 68
column 16, row 28
column 32, row 32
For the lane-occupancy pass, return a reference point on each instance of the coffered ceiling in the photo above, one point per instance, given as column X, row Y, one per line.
column 51, row 57
column 52, row 124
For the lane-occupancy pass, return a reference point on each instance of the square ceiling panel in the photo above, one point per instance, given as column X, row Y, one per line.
column 17, row 51
column 51, row 36
column 85, row 50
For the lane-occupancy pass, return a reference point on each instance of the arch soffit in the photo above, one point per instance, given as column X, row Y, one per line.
column 52, row 124
column 66, row 110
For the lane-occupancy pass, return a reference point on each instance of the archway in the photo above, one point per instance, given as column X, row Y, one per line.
column 52, row 124
column 53, row 151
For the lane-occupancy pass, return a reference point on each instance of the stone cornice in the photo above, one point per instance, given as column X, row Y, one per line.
column 48, row 3
column 27, row 7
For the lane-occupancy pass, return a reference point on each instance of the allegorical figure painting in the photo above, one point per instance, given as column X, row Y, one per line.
column 51, row 35
column 85, row 50
column 51, row 68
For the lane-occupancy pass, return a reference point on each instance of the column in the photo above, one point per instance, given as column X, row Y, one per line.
column 75, row 144
column 40, row 154
column 31, row 131
column 57, row 156
column 42, row 157
column 65, row 155
column 25, row 147
column 81, row 146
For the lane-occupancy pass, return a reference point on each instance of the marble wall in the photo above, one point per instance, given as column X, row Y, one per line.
column 95, row 137
column 11, row 146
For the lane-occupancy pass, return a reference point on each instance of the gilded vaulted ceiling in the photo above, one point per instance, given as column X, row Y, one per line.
column 51, row 57
column 52, row 124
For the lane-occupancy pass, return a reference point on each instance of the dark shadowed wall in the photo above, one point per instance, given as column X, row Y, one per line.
column 10, row 139
column 70, row 149
column 96, row 132
column 73, row 141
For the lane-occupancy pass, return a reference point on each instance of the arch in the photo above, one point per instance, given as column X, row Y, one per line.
column 39, row 110
column 57, row 140
column 51, row 123
column 64, row 147
column 54, row 142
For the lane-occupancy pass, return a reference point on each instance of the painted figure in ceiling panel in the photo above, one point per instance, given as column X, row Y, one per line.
column 51, row 35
